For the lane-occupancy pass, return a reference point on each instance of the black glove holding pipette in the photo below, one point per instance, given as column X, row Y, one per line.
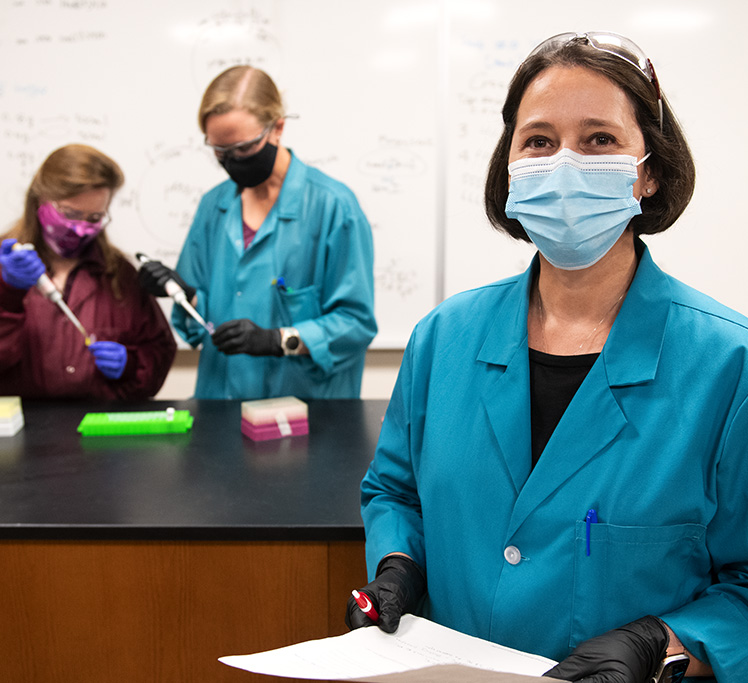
column 153, row 276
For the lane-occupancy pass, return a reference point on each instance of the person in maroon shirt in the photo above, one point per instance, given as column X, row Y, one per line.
column 130, row 346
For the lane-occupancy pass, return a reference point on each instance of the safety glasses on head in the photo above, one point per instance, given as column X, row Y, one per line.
column 613, row 44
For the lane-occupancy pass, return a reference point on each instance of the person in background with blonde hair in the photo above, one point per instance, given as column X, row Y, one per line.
column 42, row 354
column 279, row 257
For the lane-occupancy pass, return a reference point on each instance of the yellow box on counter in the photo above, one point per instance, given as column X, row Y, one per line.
column 11, row 415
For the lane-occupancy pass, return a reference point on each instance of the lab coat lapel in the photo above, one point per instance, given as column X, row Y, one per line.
column 594, row 417
column 288, row 205
column 232, row 224
column 591, row 422
column 506, row 394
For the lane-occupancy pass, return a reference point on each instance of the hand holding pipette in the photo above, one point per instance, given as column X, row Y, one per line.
column 21, row 265
column 159, row 280
column 22, row 268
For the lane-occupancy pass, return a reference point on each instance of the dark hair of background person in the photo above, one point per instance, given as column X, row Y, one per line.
column 670, row 163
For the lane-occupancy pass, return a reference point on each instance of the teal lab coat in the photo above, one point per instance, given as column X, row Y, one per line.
column 318, row 240
column 655, row 441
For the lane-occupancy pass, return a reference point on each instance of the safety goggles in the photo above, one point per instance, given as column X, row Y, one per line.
column 98, row 219
column 613, row 44
column 243, row 149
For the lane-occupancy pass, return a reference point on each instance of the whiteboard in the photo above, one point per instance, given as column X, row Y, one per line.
column 399, row 99
column 700, row 54
column 126, row 76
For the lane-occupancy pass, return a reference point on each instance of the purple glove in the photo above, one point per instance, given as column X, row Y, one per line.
column 21, row 267
column 110, row 357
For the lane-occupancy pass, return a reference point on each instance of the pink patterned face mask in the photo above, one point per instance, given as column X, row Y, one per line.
column 65, row 236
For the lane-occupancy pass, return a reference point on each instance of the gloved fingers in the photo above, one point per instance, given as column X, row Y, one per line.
column 230, row 336
column 583, row 670
column 107, row 349
column 152, row 276
column 390, row 610
column 228, row 329
column 21, row 267
column 108, row 366
column 161, row 274
column 110, row 357
column 566, row 673
column 111, row 371
column 354, row 617
column 30, row 265
column 231, row 347
column 600, row 677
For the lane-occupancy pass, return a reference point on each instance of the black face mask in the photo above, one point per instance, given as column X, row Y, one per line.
column 251, row 171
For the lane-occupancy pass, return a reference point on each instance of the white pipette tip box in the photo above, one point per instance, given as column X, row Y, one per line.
column 274, row 418
column 11, row 415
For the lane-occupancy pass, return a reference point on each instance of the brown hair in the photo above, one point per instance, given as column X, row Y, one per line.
column 242, row 88
column 670, row 163
column 68, row 172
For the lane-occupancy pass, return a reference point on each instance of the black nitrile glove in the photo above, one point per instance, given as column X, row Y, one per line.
column 397, row 589
column 153, row 276
column 630, row 654
column 243, row 336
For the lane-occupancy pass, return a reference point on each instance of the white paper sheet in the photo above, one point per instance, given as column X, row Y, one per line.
column 368, row 652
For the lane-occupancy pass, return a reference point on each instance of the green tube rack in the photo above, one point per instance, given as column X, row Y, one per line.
column 167, row 421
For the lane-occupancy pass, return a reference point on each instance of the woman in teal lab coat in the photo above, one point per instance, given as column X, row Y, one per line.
column 562, row 468
column 279, row 257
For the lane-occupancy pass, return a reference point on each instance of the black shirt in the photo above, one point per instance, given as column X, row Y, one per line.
column 553, row 382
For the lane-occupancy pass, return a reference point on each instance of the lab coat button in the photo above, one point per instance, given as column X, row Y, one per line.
column 512, row 554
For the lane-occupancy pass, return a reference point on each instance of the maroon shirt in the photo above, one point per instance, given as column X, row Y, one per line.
column 43, row 355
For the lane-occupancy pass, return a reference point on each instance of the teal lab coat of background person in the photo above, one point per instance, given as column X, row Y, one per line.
column 318, row 240
column 655, row 440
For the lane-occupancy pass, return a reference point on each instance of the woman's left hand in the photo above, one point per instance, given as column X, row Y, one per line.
column 630, row 654
column 110, row 357
column 243, row 336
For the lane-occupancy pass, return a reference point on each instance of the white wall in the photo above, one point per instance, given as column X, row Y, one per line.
column 379, row 378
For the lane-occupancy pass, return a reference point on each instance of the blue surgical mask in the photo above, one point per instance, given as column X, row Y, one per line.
column 574, row 207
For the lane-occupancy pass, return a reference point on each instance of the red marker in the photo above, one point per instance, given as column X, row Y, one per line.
column 362, row 600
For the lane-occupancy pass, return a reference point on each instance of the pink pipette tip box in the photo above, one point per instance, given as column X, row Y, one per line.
column 274, row 418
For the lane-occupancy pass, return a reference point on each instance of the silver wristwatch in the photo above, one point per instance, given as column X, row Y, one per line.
column 672, row 669
column 290, row 341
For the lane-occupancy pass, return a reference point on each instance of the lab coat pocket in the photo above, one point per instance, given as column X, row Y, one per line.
column 632, row 571
column 300, row 304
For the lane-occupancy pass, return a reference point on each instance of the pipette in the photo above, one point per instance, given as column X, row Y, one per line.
column 173, row 289
column 45, row 285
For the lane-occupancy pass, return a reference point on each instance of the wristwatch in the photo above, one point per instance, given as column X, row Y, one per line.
column 290, row 341
column 672, row 669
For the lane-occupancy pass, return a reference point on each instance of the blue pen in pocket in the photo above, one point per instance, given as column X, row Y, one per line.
column 280, row 283
column 590, row 519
